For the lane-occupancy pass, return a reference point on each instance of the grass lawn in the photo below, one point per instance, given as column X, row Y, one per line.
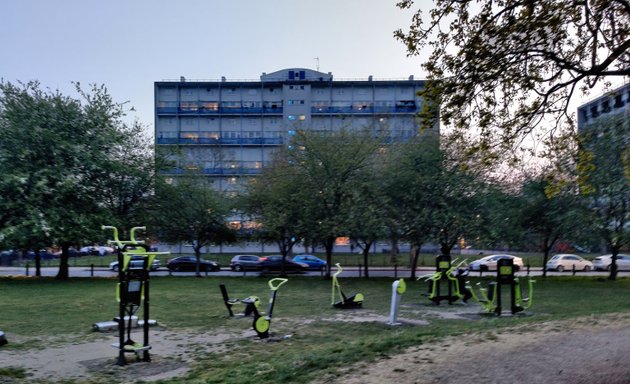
column 43, row 310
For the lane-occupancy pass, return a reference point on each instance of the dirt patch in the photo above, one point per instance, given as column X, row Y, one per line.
column 588, row 350
column 171, row 356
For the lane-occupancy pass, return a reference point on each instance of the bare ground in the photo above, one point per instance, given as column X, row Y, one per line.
column 587, row 350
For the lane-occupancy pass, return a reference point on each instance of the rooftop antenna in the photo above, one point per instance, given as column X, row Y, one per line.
column 317, row 59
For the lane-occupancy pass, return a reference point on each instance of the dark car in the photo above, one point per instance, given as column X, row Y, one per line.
column 189, row 263
column 245, row 262
column 313, row 262
column 274, row 264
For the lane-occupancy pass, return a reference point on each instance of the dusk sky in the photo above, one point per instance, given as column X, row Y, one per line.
column 127, row 45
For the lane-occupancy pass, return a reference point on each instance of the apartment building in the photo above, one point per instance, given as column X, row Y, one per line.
column 611, row 103
column 227, row 129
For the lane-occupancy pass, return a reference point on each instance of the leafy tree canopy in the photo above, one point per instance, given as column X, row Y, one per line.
column 503, row 67
column 68, row 165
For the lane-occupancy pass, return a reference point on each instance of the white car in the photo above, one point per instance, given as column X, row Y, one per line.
column 154, row 267
column 603, row 262
column 96, row 250
column 489, row 263
column 564, row 261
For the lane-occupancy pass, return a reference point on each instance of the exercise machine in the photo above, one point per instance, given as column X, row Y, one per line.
column 398, row 288
column 345, row 302
column 132, row 292
column 251, row 303
column 491, row 298
column 446, row 283
column 261, row 323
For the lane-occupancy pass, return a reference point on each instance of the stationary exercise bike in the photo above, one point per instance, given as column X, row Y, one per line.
column 261, row 323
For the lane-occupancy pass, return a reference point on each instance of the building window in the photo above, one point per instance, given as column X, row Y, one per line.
column 618, row 101
column 291, row 117
column 210, row 105
column 302, row 117
column 594, row 111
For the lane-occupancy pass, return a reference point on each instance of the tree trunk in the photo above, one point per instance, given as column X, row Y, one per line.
column 547, row 246
column 613, row 263
column 393, row 257
column 366, row 253
column 329, row 244
column 197, row 249
column 414, row 261
column 63, row 273
column 38, row 263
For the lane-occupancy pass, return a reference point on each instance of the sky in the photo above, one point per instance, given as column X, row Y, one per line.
column 127, row 45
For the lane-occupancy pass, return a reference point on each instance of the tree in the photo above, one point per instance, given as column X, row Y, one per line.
column 188, row 210
column 549, row 214
column 603, row 167
column 503, row 67
column 54, row 153
column 330, row 167
column 366, row 222
column 408, row 191
column 275, row 201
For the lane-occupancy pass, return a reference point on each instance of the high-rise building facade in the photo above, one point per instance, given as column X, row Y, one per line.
column 227, row 129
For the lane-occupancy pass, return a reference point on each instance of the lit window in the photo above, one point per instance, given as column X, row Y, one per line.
column 291, row 117
column 291, row 132
column 302, row 117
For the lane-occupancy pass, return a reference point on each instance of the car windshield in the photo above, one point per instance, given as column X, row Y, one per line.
column 556, row 257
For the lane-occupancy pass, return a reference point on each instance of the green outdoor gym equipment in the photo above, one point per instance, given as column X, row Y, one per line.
column 443, row 283
column 250, row 303
column 490, row 298
column 261, row 323
column 132, row 292
column 345, row 302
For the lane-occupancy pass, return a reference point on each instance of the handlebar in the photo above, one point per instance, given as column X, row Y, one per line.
column 279, row 282
column 132, row 235
column 339, row 270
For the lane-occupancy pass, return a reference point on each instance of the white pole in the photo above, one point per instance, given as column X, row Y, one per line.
column 398, row 288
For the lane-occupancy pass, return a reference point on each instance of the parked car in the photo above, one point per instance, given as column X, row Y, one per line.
column 136, row 259
column 274, row 264
column 45, row 254
column 245, row 262
column 95, row 250
column 603, row 262
column 489, row 263
column 313, row 262
column 564, row 261
column 189, row 263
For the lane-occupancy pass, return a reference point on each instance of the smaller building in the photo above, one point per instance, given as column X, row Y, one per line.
column 609, row 104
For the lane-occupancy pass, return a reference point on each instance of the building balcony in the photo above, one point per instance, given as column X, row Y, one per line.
column 221, row 141
column 217, row 171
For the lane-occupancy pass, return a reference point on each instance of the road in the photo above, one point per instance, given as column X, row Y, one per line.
column 347, row 272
